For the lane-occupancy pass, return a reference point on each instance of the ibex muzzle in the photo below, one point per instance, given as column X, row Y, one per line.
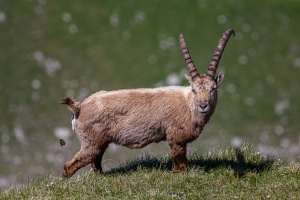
column 137, row 117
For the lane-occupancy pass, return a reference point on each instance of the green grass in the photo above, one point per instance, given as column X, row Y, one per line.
column 232, row 173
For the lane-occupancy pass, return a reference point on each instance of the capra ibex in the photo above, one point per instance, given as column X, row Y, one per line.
column 137, row 117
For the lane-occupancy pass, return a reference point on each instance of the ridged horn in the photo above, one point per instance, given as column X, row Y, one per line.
column 214, row 62
column 187, row 57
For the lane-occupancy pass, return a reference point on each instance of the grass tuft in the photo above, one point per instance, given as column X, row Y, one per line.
column 241, row 173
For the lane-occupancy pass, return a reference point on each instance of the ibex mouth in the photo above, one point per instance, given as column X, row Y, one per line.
column 204, row 112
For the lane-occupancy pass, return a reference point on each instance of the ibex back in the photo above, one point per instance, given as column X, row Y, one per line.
column 137, row 117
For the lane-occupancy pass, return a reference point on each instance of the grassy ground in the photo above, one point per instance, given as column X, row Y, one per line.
column 232, row 173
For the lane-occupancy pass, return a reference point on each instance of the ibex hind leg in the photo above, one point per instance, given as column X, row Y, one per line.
column 179, row 157
column 96, row 162
column 81, row 159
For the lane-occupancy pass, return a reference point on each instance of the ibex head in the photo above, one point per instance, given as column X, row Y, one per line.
column 205, row 86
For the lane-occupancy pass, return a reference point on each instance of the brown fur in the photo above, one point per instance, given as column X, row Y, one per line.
column 137, row 117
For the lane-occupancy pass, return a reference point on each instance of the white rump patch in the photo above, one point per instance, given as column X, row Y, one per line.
column 73, row 122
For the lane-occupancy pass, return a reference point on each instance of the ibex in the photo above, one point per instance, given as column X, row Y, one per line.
column 137, row 117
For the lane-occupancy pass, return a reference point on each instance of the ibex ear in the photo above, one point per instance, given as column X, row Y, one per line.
column 189, row 79
column 219, row 78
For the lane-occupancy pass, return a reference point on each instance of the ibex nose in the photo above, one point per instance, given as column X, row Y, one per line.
column 203, row 105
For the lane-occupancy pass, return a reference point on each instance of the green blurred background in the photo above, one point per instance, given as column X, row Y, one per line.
column 52, row 49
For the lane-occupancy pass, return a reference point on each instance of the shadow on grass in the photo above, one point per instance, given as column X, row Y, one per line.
column 238, row 164
column 145, row 161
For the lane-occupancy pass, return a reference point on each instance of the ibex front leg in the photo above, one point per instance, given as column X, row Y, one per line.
column 179, row 157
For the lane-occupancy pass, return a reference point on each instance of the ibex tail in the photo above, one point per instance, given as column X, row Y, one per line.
column 73, row 105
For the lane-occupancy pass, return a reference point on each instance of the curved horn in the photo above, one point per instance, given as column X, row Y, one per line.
column 213, row 65
column 187, row 57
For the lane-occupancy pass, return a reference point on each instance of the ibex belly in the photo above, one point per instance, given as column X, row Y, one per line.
column 139, row 136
